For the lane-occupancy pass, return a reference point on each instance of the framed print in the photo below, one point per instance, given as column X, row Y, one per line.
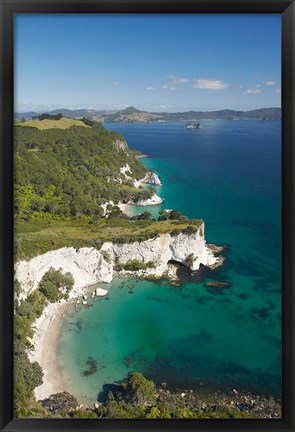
column 147, row 192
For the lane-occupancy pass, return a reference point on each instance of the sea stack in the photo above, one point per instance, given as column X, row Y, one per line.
column 153, row 179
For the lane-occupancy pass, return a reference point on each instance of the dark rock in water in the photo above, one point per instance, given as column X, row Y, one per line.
column 216, row 287
column 92, row 367
column 216, row 249
column 218, row 284
column 130, row 292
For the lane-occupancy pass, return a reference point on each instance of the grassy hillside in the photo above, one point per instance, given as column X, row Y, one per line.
column 63, row 123
column 37, row 237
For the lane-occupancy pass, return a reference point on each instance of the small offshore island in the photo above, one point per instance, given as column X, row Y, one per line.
column 74, row 228
column 193, row 126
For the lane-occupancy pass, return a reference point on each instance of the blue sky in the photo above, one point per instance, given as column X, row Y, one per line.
column 153, row 62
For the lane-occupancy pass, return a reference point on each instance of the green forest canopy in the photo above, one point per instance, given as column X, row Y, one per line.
column 70, row 173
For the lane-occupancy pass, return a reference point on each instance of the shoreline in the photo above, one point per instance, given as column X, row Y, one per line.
column 141, row 182
column 127, row 208
column 142, row 156
column 48, row 328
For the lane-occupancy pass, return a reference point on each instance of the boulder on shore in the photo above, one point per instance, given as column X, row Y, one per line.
column 100, row 292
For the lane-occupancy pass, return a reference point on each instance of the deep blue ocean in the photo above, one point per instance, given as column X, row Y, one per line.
column 192, row 336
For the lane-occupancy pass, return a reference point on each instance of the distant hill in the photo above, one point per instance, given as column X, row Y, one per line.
column 79, row 113
column 74, row 113
column 131, row 114
column 25, row 115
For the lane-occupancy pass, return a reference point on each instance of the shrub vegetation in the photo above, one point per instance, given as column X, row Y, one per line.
column 29, row 375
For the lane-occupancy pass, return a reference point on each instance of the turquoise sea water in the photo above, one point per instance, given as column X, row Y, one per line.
column 189, row 336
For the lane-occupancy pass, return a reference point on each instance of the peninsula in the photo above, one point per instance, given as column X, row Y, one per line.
column 72, row 232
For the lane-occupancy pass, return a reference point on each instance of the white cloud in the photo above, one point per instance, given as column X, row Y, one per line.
column 253, row 91
column 270, row 83
column 210, row 84
column 115, row 83
column 258, row 85
column 150, row 88
column 278, row 91
column 170, row 88
column 173, row 79
column 241, row 86
column 166, row 106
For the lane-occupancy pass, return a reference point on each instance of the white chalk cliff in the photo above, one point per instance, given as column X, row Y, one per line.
column 89, row 266
column 154, row 200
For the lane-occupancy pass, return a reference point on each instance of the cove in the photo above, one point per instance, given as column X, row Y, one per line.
column 227, row 173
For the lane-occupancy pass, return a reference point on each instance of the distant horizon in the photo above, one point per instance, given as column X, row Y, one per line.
column 46, row 110
column 157, row 62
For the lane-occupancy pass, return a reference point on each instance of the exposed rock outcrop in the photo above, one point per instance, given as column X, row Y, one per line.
column 154, row 200
column 121, row 144
column 126, row 169
column 88, row 266
column 163, row 249
column 152, row 179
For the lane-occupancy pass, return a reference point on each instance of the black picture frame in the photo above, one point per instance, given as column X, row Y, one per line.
column 287, row 10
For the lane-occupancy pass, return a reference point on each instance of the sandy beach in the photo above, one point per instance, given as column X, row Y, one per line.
column 45, row 342
column 127, row 208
